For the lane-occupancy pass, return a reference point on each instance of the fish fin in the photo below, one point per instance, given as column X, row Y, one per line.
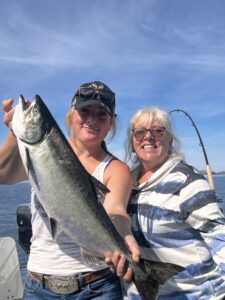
column 28, row 163
column 54, row 227
column 90, row 259
column 156, row 274
column 24, row 153
column 162, row 271
column 100, row 188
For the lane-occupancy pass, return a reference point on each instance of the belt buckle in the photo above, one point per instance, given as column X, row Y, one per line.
column 63, row 284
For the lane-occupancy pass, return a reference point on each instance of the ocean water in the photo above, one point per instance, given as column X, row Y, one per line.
column 13, row 195
column 10, row 197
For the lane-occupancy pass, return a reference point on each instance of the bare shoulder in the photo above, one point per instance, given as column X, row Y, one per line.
column 118, row 171
column 117, row 165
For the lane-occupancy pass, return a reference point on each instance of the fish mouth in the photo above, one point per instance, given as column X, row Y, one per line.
column 26, row 106
column 29, row 126
column 22, row 103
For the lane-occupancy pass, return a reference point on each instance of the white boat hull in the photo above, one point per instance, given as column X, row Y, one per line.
column 11, row 285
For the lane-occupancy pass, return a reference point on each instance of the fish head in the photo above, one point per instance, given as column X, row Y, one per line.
column 29, row 123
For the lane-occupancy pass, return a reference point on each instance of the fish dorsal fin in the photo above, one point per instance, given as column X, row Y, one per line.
column 100, row 188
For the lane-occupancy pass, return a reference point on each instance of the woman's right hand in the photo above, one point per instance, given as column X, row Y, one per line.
column 8, row 110
column 12, row 169
column 118, row 264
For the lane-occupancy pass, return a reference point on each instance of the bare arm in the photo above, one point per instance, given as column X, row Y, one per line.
column 11, row 167
column 119, row 181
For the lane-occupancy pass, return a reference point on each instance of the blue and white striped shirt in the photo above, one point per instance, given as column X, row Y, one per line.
column 176, row 219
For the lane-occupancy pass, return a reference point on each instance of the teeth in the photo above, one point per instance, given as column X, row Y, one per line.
column 91, row 129
column 85, row 126
column 149, row 146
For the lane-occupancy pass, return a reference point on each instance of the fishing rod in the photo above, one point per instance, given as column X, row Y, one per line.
column 208, row 168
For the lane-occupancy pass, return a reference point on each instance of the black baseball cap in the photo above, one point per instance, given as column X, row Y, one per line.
column 95, row 92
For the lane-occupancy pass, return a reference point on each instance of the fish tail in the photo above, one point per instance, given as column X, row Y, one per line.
column 147, row 288
column 153, row 275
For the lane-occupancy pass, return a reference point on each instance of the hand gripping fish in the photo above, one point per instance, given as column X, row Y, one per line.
column 68, row 194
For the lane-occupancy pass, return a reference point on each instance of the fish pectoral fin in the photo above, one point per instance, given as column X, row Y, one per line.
column 100, row 188
column 55, row 228
column 162, row 271
column 24, row 153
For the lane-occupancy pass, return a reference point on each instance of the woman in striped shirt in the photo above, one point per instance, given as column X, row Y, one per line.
column 175, row 215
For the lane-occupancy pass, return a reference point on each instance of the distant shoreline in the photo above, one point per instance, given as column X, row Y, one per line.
column 213, row 173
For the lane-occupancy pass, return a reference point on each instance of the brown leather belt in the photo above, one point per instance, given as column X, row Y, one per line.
column 68, row 284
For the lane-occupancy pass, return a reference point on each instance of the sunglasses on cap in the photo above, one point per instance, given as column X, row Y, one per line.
column 156, row 132
column 89, row 93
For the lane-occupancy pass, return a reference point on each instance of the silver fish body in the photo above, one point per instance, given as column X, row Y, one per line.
column 68, row 193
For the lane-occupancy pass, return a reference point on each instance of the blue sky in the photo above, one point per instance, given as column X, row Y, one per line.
column 164, row 53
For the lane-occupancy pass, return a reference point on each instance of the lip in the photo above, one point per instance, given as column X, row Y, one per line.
column 149, row 147
column 91, row 128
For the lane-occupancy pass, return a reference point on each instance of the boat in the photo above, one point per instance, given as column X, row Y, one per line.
column 11, row 284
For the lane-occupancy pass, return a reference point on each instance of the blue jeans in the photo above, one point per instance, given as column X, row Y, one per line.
column 106, row 288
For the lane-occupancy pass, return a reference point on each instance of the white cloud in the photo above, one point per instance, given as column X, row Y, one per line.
column 153, row 53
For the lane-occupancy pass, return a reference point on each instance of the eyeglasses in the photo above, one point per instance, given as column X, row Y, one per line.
column 89, row 93
column 156, row 132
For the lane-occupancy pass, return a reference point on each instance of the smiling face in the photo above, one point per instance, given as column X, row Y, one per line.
column 91, row 124
column 151, row 146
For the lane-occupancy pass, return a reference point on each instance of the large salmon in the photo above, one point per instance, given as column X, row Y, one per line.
column 68, row 193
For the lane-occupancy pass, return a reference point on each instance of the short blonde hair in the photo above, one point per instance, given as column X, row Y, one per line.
column 151, row 114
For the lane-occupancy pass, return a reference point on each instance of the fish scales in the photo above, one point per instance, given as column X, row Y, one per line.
column 55, row 167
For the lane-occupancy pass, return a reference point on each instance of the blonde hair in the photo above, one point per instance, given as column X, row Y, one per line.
column 151, row 114
column 69, row 116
